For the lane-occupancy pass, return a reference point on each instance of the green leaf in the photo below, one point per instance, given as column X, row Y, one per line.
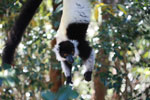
column 47, row 95
column 118, row 55
column 146, row 55
column 66, row 92
column 122, row 8
column 74, row 95
column 10, row 81
column 6, row 66
column 57, row 1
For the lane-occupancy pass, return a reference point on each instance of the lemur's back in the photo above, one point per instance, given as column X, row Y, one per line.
column 74, row 11
column 77, row 11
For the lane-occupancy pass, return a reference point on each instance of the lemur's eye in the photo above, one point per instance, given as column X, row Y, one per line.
column 65, row 55
column 72, row 52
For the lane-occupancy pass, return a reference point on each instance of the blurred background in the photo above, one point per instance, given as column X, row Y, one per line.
column 120, row 34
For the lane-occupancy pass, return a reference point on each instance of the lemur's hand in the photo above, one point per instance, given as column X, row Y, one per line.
column 69, row 80
column 87, row 75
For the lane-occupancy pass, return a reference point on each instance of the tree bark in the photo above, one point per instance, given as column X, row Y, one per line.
column 100, row 89
column 56, row 76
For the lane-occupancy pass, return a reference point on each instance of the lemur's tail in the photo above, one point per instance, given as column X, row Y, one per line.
column 16, row 33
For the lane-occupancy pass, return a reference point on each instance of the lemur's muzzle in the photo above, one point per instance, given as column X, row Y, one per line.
column 70, row 59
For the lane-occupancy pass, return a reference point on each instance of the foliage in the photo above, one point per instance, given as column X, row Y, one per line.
column 121, row 36
column 64, row 93
column 121, row 43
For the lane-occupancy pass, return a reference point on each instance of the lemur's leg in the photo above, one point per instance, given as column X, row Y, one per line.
column 66, row 67
column 88, row 56
column 88, row 64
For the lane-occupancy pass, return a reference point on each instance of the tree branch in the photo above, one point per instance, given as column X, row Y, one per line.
column 16, row 33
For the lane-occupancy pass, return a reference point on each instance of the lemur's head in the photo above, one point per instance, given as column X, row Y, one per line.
column 65, row 50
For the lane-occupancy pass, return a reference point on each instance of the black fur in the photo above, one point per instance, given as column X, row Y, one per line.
column 69, row 80
column 87, row 76
column 18, row 29
column 84, row 49
column 77, row 31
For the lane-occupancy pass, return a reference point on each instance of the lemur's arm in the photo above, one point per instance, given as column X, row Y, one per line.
column 66, row 67
column 15, row 34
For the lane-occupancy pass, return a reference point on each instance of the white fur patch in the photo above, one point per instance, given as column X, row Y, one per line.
column 75, row 43
column 56, row 50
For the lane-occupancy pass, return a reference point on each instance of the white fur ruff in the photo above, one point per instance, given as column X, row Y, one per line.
column 56, row 50
column 75, row 43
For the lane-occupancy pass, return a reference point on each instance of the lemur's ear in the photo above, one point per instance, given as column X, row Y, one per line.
column 53, row 43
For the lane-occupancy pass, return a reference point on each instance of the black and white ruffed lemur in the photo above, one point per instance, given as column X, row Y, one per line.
column 71, row 38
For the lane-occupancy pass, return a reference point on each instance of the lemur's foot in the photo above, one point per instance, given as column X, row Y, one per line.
column 69, row 80
column 87, row 75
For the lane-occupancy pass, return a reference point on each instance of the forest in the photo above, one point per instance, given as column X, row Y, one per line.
column 119, row 32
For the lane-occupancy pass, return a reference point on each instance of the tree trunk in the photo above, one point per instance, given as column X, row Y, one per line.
column 56, row 78
column 55, row 74
column 100, row 89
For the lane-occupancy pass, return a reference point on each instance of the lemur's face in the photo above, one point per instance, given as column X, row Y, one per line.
column 66, row 50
